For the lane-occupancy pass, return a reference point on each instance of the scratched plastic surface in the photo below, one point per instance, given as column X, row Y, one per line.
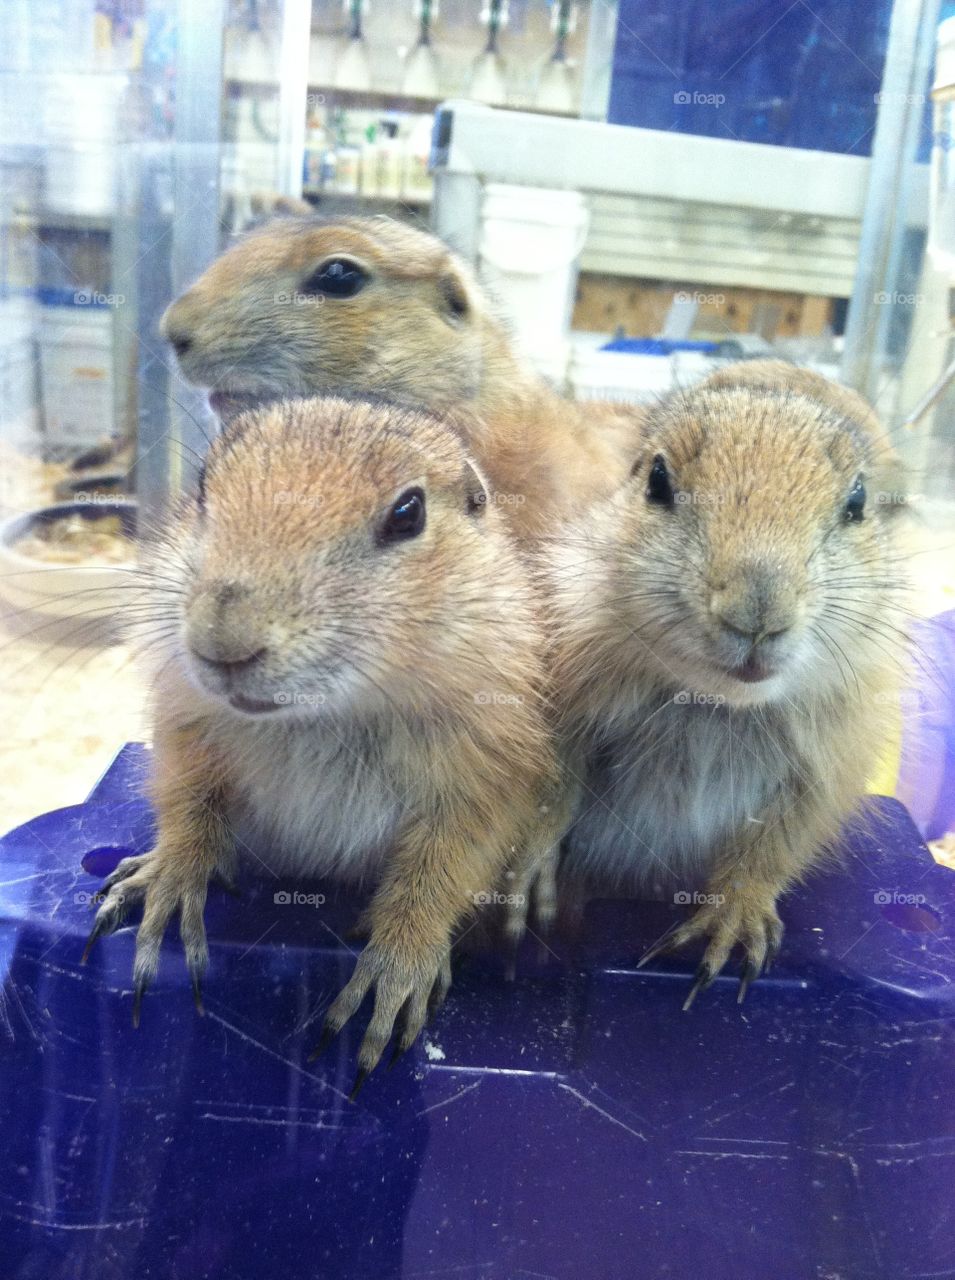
column 573, row 1124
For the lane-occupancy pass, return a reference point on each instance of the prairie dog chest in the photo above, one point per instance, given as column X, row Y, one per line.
column 317, row 799
column 667, row 784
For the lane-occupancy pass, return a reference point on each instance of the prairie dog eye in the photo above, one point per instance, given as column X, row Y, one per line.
column 659, row 487
column 406, row 519
column 336, row 278
column 855, row 503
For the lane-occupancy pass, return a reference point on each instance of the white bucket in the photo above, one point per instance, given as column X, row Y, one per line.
column 76, row 375
column 531, row 240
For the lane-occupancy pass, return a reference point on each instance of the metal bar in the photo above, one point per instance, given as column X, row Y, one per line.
column 597, row 71
column 178, row 239
column 889, row 180
column 585, row 155
column 293, row 93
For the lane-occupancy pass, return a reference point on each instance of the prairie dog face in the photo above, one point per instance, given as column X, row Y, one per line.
column 747, row 561
column 338, row 555
column 301, row 307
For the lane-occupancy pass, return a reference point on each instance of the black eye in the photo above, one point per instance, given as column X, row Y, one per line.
column 855, row 503
column 336, row 278
column 659, row 488
column 405, row 519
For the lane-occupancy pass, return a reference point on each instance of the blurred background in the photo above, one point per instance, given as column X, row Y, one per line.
column 650, row 188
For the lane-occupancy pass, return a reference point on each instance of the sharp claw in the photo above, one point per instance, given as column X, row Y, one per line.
column 657, row 949
column 197, row 995
column 327, row 1036
column 399, row 1052
column 138, row 992
column 704, row 979
column 772, row 951
column 99, row 928
column 750, row 973
column 360, row 1078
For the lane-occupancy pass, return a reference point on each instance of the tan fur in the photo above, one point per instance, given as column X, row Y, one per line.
column 412, row 668
column 887, row 471
column 688, row 777
column 253, row 332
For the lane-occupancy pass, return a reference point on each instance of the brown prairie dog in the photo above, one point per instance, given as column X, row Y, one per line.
column 347, row 671
column 372, row 306
column 728, row 630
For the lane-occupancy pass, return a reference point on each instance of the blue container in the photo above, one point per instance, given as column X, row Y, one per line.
column 572, row 1124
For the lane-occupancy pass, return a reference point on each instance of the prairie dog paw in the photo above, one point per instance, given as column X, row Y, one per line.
column 408, row 989
column 163, row 888
column 743, row 915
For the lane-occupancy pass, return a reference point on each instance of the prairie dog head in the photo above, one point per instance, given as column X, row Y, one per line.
column 748, row 560
column 302, row 307
column 338, row 555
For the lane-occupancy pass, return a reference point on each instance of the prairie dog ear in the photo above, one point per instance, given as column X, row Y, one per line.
column 476, row 489
column 453, row 294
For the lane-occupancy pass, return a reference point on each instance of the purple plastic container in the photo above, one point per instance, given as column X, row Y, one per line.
column 926, row 783
column 572, row 1124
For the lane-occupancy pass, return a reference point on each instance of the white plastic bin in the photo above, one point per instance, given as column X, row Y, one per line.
column 530, row 245
column 76, row 375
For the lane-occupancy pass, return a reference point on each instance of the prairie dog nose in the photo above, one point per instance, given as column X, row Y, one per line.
column 176, row 328
column 755, row 603
column 224, row 626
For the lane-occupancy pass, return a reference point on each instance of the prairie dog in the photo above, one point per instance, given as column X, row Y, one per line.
column 728, row 631
column 347, row 669
column 372, row 306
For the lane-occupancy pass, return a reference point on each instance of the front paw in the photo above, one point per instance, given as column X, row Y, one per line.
column 163, row 888
column 412, row 985
column 737, row 914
